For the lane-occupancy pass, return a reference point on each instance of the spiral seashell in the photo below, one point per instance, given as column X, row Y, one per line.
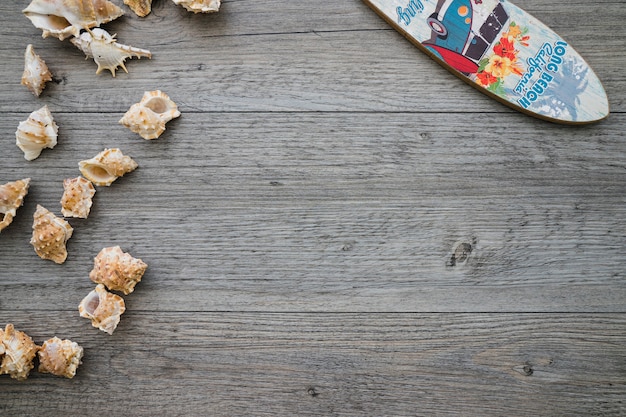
column 149, row 116
column 77, row 195
column 36, row 72
column 64, row 18
column 60, row 357
column 102, row 308
column 19, row 352
column 36, row 133
column 199, row 6
column 142, row 8
column 50, row 234
column 107, row 166
column 117, row 270
column 11, row 198
column 105, row 51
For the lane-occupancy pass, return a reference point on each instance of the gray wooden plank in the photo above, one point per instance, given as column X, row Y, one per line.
column 339, row 212
column 331, row 364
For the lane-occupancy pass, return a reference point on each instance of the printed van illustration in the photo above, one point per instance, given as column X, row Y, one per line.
column 461, row 35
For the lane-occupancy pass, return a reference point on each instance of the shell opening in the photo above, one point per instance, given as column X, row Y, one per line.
column 58, row 22
column 157, row 105
column 92, row 303
column 99, row 172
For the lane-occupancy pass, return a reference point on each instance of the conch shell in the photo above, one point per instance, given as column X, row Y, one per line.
column 19, row 351
column 64, row 18
column 77, row 195
column 11, row 198
column 105, row 51
column 102, row 308
column 199, row 6
column 36, row 72
column 149, row 116
column 107, row 166
column 60, row 357
column 36, row 133
column 50, row 234
column 117, row 270
column 141, row 7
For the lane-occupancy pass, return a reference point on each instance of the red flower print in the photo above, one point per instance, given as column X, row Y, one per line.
column 506, row 49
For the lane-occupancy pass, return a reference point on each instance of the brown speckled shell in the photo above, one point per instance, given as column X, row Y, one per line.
column 106, row 167
column 19, row 352
column 102, row 308
column 199, row 6
column 50, row 234
column 77, row 195
column 11, row 198
column 117, row 270
column 141, row 8
column 36, row 133
column 60, row 357
column 36, row 72
column 148, row 117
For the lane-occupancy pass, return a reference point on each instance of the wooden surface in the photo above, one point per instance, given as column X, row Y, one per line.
column 335, row 226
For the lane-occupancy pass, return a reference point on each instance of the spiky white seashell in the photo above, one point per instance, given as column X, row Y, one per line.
column 149, row 116
column 141, row 8
column 199, row 6
column 36, row 133
column 64, row 18
column 19, row 351
column 50, row 235
column 11, row 198
column 60, row 357
column 36, row 72
column 107, row 166
column 77, row 195
column 102, row 308
column 105, row 51
column 117, row 270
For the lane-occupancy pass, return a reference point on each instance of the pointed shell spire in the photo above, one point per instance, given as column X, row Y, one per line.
column 199, row 6
column 60, row 357
column 11, row 198
column 117, row 270
column 107, row 166
column 148, row 117
column 64, row 18
column 50, row 234
column 142, row 8
column 105, row 51
column 36, row 72
column 19, row 351
column 102, row 308
column 36, row 133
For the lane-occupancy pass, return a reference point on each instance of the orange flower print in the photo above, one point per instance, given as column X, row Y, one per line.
column 486, row 79
column 499, row 66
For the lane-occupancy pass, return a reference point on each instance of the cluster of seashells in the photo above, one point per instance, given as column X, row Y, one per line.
column 18, row 351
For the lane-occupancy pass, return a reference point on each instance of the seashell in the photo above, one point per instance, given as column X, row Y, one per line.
column 149, row 116
column 117, row 270
column 102, row 308
column 36, row 133
column 199, row 6
column 36, row 72
column 64, row 18
column 142, row 8
column 77, row 195
column 105, row 51
column 107, row 166
column 60, row 357
column 19, row 353
column 11, row 198
column 50, row 234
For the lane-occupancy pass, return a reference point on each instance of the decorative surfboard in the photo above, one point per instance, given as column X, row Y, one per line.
column 504, row 52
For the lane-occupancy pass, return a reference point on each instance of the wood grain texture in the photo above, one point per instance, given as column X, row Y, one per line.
column 335, row 226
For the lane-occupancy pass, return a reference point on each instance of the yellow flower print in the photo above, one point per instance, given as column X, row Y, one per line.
column 499, row 66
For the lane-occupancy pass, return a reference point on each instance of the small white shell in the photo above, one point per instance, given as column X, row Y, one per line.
column 102, row 308
column 11, row 198
column 60, row 357
column 141, row 8
column 107, row 166
column 19, row 351
column 117, row 270
column 65, row 18
column 50, row 234
column 199, row 6
column 148, row 117
column 36, row 72
column 105, row 51
column 36, row 133
column 77, row 195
